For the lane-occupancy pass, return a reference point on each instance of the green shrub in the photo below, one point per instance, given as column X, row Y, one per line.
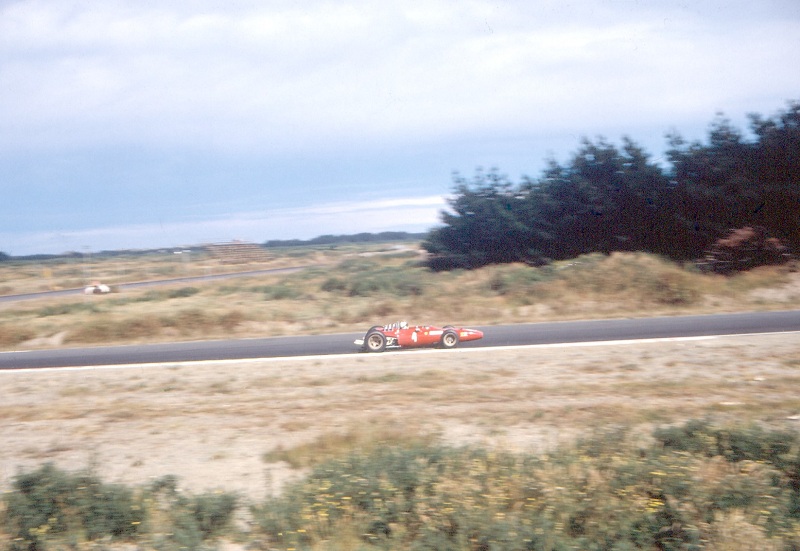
column 682, row 492
column 403, row 282
column 183, row 292
column 49, row 501
column 50, row 508
column 212, row 512
column 190, row 520
column 281, row 291
column 694, row 436
column 751, row 443
column 603, row 493
column 334, row 285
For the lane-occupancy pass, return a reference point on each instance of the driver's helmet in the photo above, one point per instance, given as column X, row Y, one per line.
column 403, row 325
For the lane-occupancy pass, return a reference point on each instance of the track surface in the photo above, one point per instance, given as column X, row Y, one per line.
column 500, row 335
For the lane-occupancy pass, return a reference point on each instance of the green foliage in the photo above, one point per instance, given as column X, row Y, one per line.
column 682, row 492
column 281, row 292
column 752, row 443
column 48, row 507
column 381, row 237
column 602, row 493
column 156, row 296
column 49, row 502
column 334, row 285
column 183, row 292
column 190, row 521
column 615, row 199
column 368, row 279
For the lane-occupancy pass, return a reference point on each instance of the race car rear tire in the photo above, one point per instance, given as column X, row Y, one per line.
column 375, row 342
column 449, row 339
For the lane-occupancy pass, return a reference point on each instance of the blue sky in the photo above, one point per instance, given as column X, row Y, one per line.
column 139, row 124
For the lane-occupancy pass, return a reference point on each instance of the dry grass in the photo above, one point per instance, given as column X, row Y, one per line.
column 251, row 426
column 356, row 289
column 17, row 277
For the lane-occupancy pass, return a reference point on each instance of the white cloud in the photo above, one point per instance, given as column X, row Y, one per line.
column 320, row 74
column 382, row 91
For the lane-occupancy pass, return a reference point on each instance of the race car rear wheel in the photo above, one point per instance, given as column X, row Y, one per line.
column 375, row 342
column 449, row 339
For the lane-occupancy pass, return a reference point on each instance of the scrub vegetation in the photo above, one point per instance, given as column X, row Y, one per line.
column 342, row 288
column 691, row 487
column 657, row 445
column 651, row 446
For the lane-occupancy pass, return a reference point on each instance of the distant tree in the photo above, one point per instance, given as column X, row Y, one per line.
column 4, row 256
column 603, row 200
column 776, row 166
column 484, row 226
column 731, row 182
column 353, row 238
column 609, row 199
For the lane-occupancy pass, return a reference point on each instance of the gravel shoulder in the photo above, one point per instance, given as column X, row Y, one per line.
column 212, row 423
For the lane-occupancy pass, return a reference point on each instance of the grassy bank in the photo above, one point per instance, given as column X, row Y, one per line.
column 350, row 288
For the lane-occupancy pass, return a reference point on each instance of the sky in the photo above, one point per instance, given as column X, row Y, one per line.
column 147, row 124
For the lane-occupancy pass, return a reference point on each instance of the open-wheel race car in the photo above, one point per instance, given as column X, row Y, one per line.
column 403, row 335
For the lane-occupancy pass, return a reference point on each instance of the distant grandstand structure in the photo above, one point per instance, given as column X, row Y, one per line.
column 237, row 252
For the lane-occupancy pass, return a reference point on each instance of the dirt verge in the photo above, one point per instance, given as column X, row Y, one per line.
column 212, row 423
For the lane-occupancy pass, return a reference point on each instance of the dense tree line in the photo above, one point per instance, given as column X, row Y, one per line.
column 609, row 198
column 380, row 237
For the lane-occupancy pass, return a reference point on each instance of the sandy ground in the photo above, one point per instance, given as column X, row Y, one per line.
column 211, row 423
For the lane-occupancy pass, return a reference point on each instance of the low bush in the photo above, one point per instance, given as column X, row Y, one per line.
column 683, row 491
column 281, row 291
column 407, row 282
column 183, row 292
column 334, row 285
column 49, row 508
column 752, row 443
column 603, row 493
column 48, row 503
column 187, row 521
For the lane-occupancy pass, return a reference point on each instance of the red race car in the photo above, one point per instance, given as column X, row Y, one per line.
column 403, row 335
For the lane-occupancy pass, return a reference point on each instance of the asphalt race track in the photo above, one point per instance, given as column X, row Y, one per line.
column 342, row 343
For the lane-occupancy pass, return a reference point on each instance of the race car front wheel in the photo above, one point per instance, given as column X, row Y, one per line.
column 449, row 339
column 375, row 342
